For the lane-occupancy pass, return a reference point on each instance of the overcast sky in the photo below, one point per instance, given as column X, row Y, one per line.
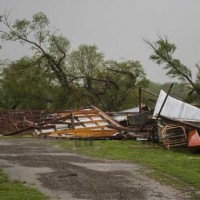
column 117, row 27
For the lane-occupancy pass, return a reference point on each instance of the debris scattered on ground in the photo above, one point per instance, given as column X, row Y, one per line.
column 88, row 122
column 178, row 122
column 84, row 123
column 173, row 123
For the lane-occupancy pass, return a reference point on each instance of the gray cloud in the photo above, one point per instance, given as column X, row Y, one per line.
column 117, row 27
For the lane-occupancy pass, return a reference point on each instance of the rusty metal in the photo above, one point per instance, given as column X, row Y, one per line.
column 174, row 136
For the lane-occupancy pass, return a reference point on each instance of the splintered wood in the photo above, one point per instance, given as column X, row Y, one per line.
column 83, row 123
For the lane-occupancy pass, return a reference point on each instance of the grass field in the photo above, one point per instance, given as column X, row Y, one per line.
column 16, row 191
column 178, row 168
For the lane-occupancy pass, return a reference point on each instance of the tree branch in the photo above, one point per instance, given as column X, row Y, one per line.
column 94, row 79
column 172, row 64
column 60, row 49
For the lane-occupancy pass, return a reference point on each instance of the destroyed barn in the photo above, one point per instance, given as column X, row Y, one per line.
column 172, row 123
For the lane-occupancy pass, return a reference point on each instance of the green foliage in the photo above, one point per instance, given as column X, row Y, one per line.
column 86, row 61
column 178, row 91
column 55, row 78
column 164, row 55
column 15, row 190
column 109, row 85
column 25, row 85
column 21, row 30
column 127, row 76
column 51, row 48
column 58, row 47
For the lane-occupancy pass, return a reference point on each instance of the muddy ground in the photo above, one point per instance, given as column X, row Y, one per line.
column 67, row 176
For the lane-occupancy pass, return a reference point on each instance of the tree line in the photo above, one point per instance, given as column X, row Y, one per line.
column 56, row 77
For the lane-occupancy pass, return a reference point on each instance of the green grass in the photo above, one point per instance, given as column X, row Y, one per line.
column 177, row 168
column 16, row 191
column 17, row 136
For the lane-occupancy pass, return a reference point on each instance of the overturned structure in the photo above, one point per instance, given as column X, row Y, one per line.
column 179, row 122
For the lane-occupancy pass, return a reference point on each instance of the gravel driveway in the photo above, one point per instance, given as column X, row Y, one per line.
column 66, row 176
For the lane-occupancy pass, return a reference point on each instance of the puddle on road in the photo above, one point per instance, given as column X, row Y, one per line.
column 30, row 176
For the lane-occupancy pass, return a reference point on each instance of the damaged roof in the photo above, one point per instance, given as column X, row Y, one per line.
column 176, row 109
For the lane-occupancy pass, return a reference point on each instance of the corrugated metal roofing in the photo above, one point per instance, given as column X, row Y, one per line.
column 176, row 109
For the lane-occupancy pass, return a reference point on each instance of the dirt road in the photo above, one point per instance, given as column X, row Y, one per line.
column 67, row 176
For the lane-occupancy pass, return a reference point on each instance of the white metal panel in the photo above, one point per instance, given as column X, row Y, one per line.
column 135, row 109
column 84, row 119
column 90, row 125
column 103, row 123
column 176, row 109
column 61, row 126
column 120, row 118
column 49, row 130
column 96, row 118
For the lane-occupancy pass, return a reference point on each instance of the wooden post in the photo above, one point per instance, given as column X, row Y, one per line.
column 140, row 100
column 72, row 120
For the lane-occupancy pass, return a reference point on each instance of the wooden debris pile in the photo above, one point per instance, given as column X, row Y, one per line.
column 14, row 122
column 84, row 123
column 89, row 122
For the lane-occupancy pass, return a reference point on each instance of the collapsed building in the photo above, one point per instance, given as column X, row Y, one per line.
column 172, row 122
column 89, row 122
